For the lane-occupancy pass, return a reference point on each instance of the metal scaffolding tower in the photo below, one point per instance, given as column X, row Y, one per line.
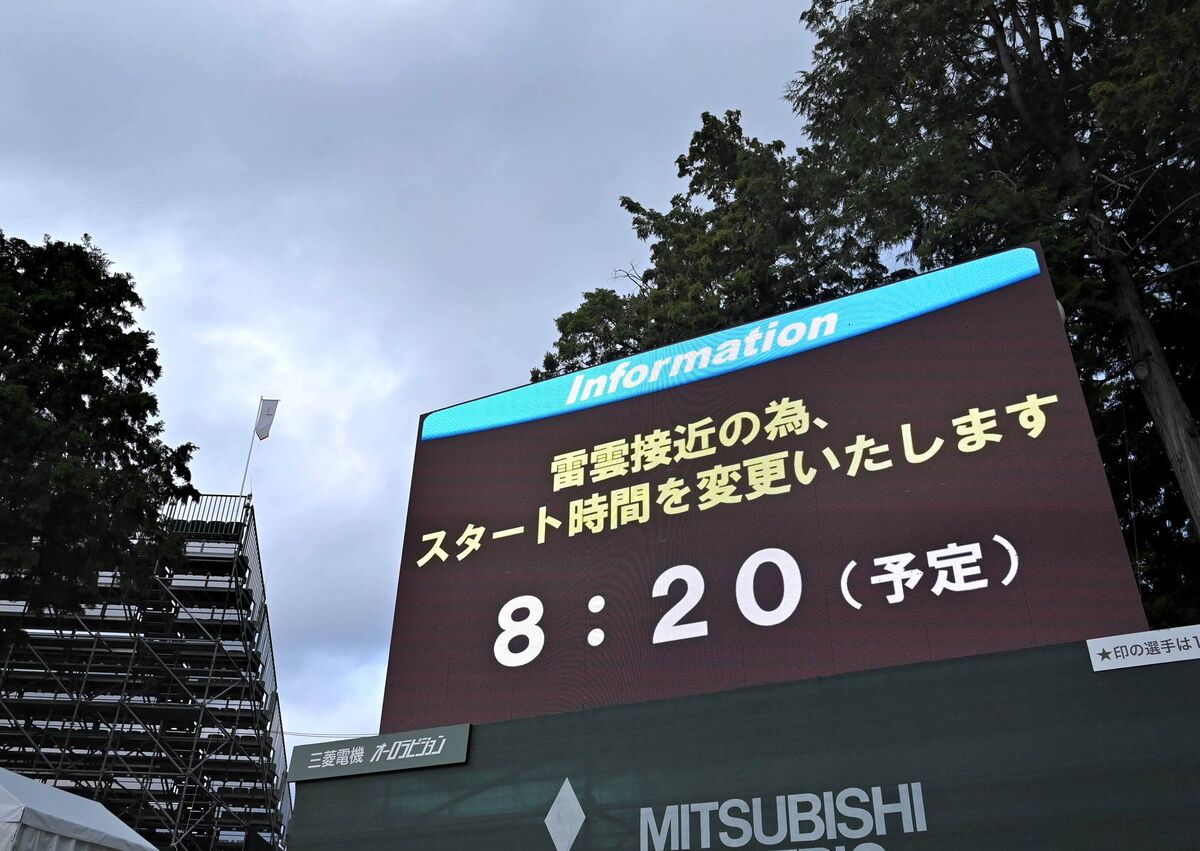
column 164, row 710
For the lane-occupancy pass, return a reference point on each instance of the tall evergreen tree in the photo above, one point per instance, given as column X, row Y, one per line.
column 948, row 129
column 84, row 473
column 749, row 238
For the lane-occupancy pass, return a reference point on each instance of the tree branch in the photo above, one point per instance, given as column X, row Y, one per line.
column 1172, row 271
column 1167, row 217
column 1015, row 93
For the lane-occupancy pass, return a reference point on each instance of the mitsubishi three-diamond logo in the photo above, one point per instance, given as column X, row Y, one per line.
column 565, row 818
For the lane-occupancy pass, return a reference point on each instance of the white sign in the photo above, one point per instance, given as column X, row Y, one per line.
column 1135, row 649
column 266, row 416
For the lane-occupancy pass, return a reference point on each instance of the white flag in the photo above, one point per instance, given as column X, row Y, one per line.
column 266, row 416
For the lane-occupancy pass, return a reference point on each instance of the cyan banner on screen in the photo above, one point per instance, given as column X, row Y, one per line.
column 745, row 346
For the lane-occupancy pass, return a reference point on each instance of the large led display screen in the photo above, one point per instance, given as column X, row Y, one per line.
column 903, row 475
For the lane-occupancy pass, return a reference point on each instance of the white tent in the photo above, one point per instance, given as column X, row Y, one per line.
column 37, row 817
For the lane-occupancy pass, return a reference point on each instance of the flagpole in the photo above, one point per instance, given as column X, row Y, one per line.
column 257, row 411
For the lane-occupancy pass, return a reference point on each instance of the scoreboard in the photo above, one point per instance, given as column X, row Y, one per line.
column 903, row 475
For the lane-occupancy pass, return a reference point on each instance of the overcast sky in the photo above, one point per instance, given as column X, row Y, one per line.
column 369, row 210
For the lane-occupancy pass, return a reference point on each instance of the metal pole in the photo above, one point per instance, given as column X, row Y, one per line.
column 257, row 411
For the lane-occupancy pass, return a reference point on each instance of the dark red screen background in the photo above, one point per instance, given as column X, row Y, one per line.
column 1047, row 496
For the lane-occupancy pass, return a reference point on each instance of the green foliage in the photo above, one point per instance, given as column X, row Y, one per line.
column 969, row 126
column 951, row 129
column 940, row 130
column 746, row 240
column 83, row 472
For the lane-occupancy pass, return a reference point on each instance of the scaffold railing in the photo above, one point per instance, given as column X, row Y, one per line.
column 164, row 708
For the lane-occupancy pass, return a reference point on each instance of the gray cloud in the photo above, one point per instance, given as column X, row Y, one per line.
column 370, row 210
